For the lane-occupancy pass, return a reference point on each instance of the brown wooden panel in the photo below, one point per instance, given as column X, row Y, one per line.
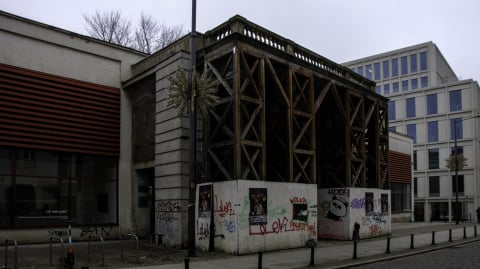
column 43, row 111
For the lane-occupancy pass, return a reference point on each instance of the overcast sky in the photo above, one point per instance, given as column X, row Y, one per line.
column 341, row 30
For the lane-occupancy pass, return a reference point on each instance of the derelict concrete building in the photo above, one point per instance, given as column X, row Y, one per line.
column 285, row 114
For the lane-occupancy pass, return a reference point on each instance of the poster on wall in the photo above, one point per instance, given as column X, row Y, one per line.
column 258, row 206
column 205, row 200
column 368, row 203
column 384, row 203
column 300, row 212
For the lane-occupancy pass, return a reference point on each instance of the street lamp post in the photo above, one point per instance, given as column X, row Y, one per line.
column 193, row 137
column 456, row 172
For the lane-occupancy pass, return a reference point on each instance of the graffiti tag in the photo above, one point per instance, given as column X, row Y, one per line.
column 357, row 203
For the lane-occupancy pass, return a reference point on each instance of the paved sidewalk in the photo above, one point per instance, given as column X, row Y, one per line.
column 328, row 253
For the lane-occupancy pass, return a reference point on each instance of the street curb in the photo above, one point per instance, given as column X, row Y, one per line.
column 397, row 256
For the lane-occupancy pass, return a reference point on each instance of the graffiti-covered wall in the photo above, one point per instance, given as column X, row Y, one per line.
column 340, row 208
column 253, row 216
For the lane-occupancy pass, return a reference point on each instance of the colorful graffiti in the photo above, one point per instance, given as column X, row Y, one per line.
column 257, row 211
column 282, row 225
column 102, row 231
column 223, row 209
column 340, row 208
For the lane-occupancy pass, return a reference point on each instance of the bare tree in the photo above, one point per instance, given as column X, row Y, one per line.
column 146, row 34
column 168, row 35
column 148, row 37
column 110, row 27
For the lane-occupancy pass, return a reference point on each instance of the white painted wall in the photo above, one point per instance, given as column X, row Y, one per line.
column 340, row 208
column 289, row 221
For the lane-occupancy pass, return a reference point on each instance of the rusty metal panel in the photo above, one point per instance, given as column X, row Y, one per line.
column 43, row 111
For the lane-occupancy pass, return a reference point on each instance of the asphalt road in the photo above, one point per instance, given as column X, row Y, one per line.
column 461, row 256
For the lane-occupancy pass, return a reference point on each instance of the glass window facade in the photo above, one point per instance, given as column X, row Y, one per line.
column 423, row 61
column 432, row 127
column 401, row 194
column 412, row 132
column 461, row 186
column 415, row 160
column 455, row 100
column 386, row 89
column 52, row 188
column 458, row 123
column 424, row 82
column 433, row 159
column 368, row 71
column 415, row 186
column 413, row 63
column 459, row 149
column 377, row 70
column 378, row 89
column 434, row 186
column 391, row 110
column 432, row 104
column 360, row 70
column 404, row 65
column 386, row 69
column 414, row 83
column 404, row 85
column 395, row 87
column 395, row 67
column 410, row 107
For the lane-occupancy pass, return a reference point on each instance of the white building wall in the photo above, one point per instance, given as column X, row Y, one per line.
column 287, row 217
column 441, row 81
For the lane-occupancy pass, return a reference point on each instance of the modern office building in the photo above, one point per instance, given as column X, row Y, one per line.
column 430, row 104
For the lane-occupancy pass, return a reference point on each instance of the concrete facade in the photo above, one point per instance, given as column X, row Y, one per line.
column 342, row 210
column 256, row 216
column 35, row 46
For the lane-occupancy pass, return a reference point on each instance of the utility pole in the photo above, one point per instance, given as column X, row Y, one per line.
column 192, row 136
column 457, row 221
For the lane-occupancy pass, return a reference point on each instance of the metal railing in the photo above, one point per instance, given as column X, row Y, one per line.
column 53, row 237
column 15, row 257
column 89, row 248
column 129, row 236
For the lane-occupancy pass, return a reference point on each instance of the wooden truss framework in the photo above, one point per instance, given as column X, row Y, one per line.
column 279, row 119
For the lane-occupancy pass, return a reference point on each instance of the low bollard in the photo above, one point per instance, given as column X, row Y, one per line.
column 449, row 235
column 187, row 263
column 354, row 250
column 411, row 241
column 312, row 243
column 355, row 237
column 464, row 232
column 475, row 230
column 260, row 254
column 388, row 245
column 433, row 237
